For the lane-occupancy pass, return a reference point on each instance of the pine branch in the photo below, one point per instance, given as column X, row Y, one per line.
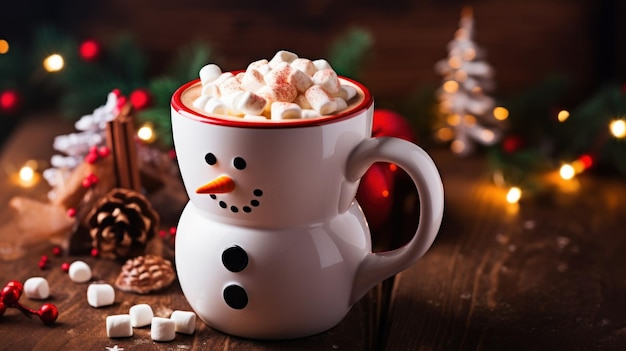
column 347, row 53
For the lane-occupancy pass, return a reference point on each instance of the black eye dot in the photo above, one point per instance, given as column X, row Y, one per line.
column 258, row 192
column 210, row 159
column 239, row 163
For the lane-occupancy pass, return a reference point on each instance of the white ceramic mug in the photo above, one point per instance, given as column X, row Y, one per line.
column 273, row 244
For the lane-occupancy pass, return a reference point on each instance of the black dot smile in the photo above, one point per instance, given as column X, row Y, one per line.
column 240, row 164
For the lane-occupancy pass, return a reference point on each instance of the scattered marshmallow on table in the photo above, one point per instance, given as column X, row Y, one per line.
column 36, row 288
column 140, row 315
column 163, row 329
column 79, row 272
column 185, row 321
column 118, row 326
column 99, row 295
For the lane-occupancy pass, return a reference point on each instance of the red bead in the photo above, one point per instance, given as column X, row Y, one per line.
column 17, row 285
column 86, row 183
column 104, row 151
column 57, row 251
column 71, row 212
column 65, row 266
column 94, row 252
column 48, row 313
column 91, row 158
column 10, row 295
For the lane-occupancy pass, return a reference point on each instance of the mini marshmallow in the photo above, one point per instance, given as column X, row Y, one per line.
column 229, row 86
column 140, row 315
column 216, row 106
column 79, row 272
column 251, row 103
column 320, row 100
column 302, row 102
column 99, row 295
column 327, row 79
column 346, row 92
column 231, row 100
column 185, row 321
column 304, row 65
column 162, row 329
column 300, row 80
column 252, row 80
column 279, row 74
column 211, row 89
column 285, row 110
column 36, row 288
column 224, row 76
column 341, row 104
column 118, row 326
column 321, row 64
column 200, row 101
column 308, row 113
column 258, row 63
column 282, row 56
column 209, row 73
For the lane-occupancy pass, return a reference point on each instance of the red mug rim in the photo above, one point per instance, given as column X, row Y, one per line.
column 178, row 106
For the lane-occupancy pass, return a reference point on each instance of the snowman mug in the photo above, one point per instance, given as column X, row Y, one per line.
column 272, row 244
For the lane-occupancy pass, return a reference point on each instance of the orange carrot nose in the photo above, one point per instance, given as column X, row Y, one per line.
column 219, row 185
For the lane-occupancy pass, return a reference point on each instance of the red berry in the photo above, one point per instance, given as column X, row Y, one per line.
column 172, row 231
column 42, row 265
column 10, row 295
column 94, row 252
column 57, row 251
column 48, row 313
column 44, row 258
column 65, row 266
column 17, row 285
column 71, row 212
column 104, row 151
column 91, row 158
column 86, row 183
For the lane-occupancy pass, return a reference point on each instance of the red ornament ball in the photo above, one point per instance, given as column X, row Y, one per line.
column 10, row 295
column 89, row 50
column 9, row 101
column 140, row 99
column 48, row 313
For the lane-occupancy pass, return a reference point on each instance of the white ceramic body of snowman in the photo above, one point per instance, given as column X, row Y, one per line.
column 272, row 244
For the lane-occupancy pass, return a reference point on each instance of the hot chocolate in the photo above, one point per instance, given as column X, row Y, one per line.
column 284, row 88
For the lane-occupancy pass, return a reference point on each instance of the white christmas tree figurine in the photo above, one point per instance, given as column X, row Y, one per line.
column 467, row 111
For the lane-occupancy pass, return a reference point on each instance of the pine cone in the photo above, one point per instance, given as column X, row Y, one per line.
column 121, row 224
column 144, row 274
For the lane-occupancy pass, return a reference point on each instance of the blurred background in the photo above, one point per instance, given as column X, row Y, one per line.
column 525, row 41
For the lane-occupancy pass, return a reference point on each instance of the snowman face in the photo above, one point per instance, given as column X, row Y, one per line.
column 219, row 188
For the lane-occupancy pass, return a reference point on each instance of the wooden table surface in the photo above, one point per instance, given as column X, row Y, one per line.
column 546, row 274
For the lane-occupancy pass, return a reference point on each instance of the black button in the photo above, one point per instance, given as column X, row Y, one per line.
column 235, row 259
column 235, row 297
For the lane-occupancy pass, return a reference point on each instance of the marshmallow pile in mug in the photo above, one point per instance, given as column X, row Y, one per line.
column 285, row 87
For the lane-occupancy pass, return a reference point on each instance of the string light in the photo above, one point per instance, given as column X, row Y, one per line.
column 567, row 171
column 618, row 128
column 513, row 195
column 4, row 46
column 53, row 63
column 146, row 133
column 27, row 176
column 562, row 116
column 450, row 87
column 500, row 113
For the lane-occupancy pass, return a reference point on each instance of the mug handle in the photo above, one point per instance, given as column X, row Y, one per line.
column 377, row 266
